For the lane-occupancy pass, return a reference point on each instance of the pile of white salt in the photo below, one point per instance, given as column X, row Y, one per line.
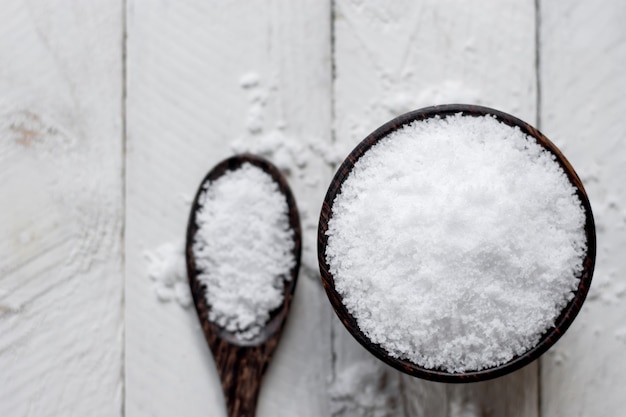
column 456, row 242
column 243, row 248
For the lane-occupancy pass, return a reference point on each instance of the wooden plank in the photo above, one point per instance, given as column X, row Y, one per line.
column 61, row 215
column 207, row 79
column 390, row 60
column 583, row 51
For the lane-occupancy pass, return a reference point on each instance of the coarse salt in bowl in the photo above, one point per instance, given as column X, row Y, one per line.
column 456, row 243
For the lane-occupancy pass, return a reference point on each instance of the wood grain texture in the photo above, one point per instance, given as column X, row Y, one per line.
column 61, row 219
column 208, row 79
column 583, row 51
column 390, row 60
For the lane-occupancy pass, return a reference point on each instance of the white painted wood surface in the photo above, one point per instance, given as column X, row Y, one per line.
column 583, row 52
column 88, row 207
column 390, row 60
column 61, row 217
column 206, row 79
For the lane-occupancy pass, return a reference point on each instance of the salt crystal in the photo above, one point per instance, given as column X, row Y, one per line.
column 456, row 242
column 249, row 80
column 243, row 249
column 166, row 268
column 366, row 389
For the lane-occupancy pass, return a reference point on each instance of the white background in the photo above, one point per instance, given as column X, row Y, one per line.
column 111, row 112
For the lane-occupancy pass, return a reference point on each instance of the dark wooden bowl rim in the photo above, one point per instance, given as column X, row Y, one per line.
column 562, row 322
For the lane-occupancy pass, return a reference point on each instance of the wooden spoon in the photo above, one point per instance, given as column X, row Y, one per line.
column 241, row 364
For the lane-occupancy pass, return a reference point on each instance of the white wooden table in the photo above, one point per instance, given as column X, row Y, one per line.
column 112, row 111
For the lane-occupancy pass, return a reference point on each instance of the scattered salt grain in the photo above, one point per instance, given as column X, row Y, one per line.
column 243, row 248
column 166, row 268
column 249, row 80
column 456, row 242
column 366, row 388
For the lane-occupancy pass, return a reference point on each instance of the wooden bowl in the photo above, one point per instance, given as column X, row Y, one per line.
column 549, row 337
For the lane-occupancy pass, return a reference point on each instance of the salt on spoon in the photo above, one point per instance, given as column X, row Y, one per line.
column 243, row 255
column 424, row 304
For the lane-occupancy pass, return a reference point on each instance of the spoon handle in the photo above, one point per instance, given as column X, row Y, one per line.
column 241, row 370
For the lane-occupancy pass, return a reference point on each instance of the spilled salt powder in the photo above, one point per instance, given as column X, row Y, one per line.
column 366, row 388
column 243, row 248
column 166, row 268
column 456, row 242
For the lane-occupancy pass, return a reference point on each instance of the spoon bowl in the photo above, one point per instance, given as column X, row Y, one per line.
column 552, row 334
column 242, row 363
